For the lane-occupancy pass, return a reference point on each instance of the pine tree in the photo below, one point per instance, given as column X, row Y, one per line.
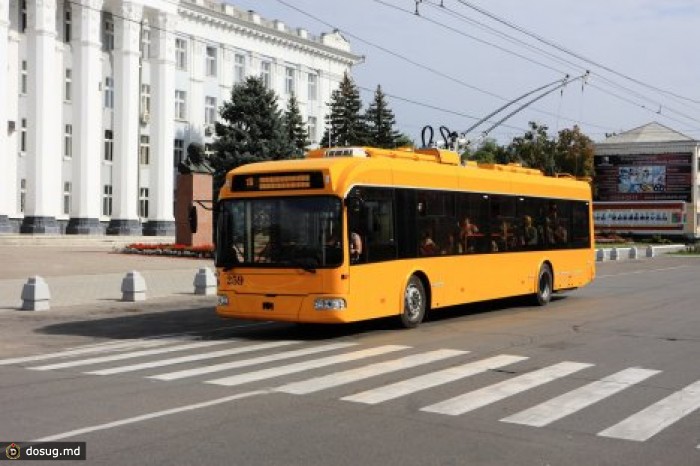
column 380, row 122
column 345, row 126
column 295, row 128
column 251, row 130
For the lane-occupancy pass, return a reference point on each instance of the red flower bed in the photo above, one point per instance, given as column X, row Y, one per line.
column 177, row 250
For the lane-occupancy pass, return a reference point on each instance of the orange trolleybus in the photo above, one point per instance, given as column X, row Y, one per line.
column 348, row 234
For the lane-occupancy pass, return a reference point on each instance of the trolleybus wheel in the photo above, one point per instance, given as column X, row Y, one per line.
column 545, row 285
column 414, row 303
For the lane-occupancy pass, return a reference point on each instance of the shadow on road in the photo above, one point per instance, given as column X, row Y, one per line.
column 202, row 322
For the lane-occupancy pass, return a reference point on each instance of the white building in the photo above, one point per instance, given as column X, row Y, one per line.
column 647, row 183
column 101, row 98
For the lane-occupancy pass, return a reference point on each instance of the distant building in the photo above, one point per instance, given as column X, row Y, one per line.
column 646, row 183
column 102, row 97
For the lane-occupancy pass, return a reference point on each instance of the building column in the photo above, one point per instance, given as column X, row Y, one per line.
column 87, row 112
column 43, row 121
column 161, row 220
column 7, row 177
column 125, row 219
column 195, row 106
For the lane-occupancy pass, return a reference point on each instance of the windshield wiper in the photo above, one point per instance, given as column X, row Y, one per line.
column 306, row 264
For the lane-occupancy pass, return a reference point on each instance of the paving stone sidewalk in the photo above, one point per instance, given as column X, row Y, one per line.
column 89, row 270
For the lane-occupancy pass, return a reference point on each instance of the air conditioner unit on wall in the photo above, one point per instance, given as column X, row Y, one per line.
column 145, row 117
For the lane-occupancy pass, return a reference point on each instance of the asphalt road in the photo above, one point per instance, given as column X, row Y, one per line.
column 606, row 375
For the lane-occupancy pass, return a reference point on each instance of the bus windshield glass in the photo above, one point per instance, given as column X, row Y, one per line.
column 296, row 232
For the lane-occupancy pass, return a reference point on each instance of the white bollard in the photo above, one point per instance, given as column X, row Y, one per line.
column 133, row 287
column 614, row 255
column 634, row 252
column 35, row 295
column 650, row 251
column 205, row 282
column 600, row 255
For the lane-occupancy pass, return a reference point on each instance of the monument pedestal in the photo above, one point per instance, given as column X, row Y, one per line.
column 193, row 187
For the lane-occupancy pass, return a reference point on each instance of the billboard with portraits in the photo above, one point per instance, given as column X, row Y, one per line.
column 643, row 177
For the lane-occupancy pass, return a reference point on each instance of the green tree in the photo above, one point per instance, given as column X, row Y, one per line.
column 380, row 122
column 295, row 128
column 345, row 126
column 535, row 149
column 490, row 152
column 404, row 140
column 251, row 130
column 574, row 153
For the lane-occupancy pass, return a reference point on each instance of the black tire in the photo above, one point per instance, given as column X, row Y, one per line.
column 415, row 302
column 545, row 286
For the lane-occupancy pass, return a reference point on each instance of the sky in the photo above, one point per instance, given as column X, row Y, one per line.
column 459, row 60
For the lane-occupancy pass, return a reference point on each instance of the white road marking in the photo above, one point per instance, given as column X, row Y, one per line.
column 149, row 416
column 652, row 420
column 340, row 378
column 423, row 382
column 575, row 400
column 637, row 272
column 99, row 348
column 487, row 395
column 303, row 366
column 135, row 354
column 191, row 358
column 249, row 362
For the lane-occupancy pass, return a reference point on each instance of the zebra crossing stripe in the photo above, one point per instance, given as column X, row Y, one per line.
column 100, row 348
column 191, row 358
column 433, row 379
column 340, row 378
column 487, row 395
column 575, row 400
column 652, row 420
column 303, row 366
column 249, row 362
column 122, row 356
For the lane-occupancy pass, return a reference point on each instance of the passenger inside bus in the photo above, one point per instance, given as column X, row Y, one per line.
column 466, row 230
column 355, row 247
column 427, row 245
column 529, row 232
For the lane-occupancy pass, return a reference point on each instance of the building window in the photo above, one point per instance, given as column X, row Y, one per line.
column 181, row 54
column 211, row 61
column 67, row 22
column 22, row 17
column 180, row 105
column 109, row 92
column 145, row 150
column 312, row 125
column 289, row 81
column 143, row 202
column 67, row 188
column 23, row 78
column 22, row 194
column 313, row 86
column 178, row 151
column 109, row 145
column 108, row 32
column 68, row 141
column 266, row 73
column 23, row 137
column 145, row 98
column 145, row 42
column 67, row 94
column 107, row 200
column 209, row 110
column 239, row 68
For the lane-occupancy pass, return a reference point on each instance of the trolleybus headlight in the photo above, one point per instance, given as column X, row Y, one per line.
column 222, row 300
column 329, row 304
